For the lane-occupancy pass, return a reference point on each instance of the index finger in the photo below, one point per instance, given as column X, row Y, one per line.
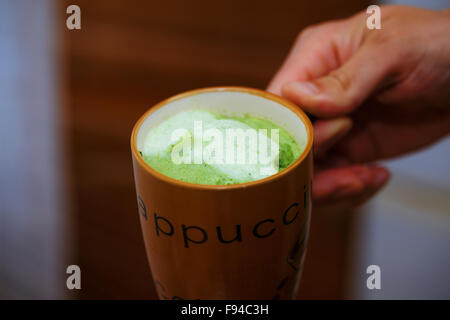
column 314, row 54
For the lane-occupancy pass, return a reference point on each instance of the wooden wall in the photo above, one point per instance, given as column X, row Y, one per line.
column 130, row 55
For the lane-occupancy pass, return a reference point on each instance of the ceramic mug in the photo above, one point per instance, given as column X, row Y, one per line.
column 242, row 241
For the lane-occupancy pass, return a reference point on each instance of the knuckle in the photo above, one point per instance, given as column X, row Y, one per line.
column 343, row 81
column 318, row 29
column 384, row 37
column 305, row 33
column 341, row 78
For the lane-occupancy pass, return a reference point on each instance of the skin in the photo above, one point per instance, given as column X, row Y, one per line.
column 376, row 94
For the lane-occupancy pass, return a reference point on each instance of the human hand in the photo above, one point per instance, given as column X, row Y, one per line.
column 376, row 93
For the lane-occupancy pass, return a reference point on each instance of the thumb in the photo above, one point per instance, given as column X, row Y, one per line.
column 344, row 89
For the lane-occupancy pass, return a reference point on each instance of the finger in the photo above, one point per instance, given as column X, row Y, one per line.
column 328, row 132
column 344, row 89
column 344, row 203
column 312, row 55
column 348, row 182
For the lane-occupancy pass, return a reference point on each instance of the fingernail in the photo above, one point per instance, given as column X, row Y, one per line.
column 338, row 126
column 306, row 87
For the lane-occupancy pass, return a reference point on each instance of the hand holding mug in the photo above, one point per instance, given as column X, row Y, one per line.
column 377, row 94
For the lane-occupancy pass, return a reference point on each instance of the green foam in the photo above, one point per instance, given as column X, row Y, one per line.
column 158, row 149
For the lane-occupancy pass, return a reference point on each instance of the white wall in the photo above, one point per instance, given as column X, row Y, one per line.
column 33, row 215
column 406, row 231
column 406, row 228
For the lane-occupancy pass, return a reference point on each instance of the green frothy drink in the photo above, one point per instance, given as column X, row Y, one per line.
column 204, row 147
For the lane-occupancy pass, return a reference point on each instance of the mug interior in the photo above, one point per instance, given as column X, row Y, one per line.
column 228, row 103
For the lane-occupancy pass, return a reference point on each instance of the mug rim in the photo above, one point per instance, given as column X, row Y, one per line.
column 253, row 91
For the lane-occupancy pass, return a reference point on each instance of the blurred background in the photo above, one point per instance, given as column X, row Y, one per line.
column 69, row 99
